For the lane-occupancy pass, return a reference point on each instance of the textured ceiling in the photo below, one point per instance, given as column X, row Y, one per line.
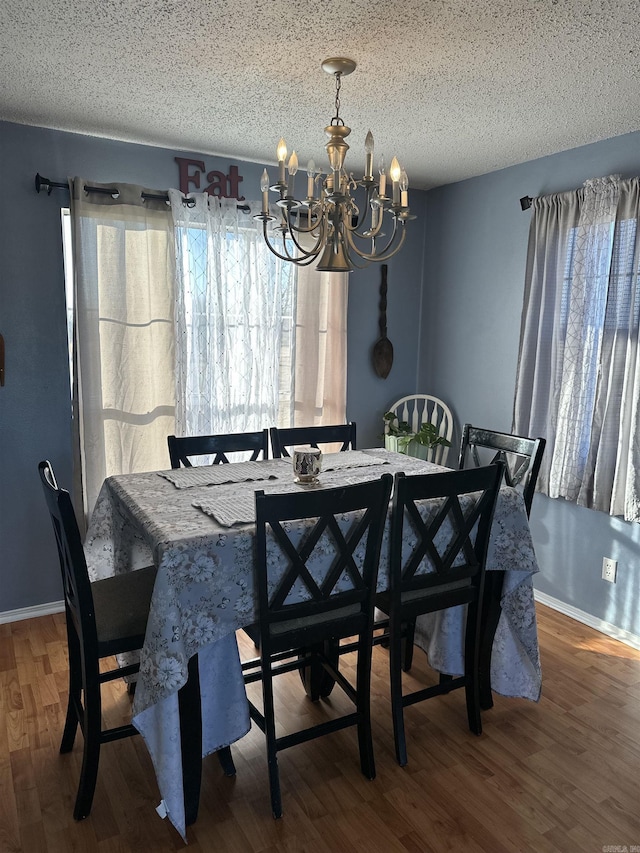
column 453, row 88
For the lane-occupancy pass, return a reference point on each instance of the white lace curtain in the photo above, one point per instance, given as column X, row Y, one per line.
column 185, row 323
column 578, row 381
column 232, row 301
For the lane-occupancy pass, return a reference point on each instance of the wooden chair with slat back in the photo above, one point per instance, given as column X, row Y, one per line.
column 449, row 516
column 282, row 439
column 317, row 555
column 104, row 618
column 182, row 448
column 417, row 409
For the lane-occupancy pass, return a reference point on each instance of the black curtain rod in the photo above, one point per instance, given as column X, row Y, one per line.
column 46, row 184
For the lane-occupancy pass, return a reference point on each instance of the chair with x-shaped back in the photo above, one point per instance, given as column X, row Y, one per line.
column 284, row 438
column 182, row 448
column 440, row 525
column 316, row 563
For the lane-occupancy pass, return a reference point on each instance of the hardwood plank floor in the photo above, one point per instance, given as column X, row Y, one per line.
column 555, row 776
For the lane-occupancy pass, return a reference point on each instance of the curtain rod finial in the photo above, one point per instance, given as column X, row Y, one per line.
column 525, row 202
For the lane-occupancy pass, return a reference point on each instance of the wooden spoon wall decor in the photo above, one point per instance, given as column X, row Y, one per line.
column 382, row 355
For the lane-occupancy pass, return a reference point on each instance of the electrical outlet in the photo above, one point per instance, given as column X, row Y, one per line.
column 609, row 569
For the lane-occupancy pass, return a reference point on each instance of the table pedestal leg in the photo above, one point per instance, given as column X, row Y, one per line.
column 191, row 741
column 315, row 678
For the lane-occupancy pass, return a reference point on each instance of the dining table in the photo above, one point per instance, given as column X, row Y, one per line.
column 197, row 525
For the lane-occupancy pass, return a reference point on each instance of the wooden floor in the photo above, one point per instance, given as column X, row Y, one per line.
column 562, row 775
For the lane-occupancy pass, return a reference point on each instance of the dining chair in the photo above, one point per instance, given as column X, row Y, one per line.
column 283, row 438
column 418, row 409
column 104, row 618
column 522, row 457
column 183, row 447
column 316, row 563
column 440, row 525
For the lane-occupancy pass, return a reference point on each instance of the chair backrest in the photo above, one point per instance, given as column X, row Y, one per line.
column 521, row 455
column 321, row 569
column 78, row 597
column 443, row 554
column 284, row 438
column 418, row 409
column 181, row 449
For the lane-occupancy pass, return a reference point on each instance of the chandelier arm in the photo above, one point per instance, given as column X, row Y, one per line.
column 388, row 245
column 365, row 209
column 315, row 251
column 370, row 232
column 304, row 261
column 300, row 262
column 274, row 251
column 385, row 254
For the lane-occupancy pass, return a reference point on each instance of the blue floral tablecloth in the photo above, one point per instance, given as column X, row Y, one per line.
column 204, row 593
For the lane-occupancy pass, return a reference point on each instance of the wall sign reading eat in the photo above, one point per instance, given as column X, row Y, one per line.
column 218, row 184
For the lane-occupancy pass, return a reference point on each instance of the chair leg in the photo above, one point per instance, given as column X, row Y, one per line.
column 472, row 670
column 75, row 695
column 363, row 697
column 407, row 645
column 270, row 735
column 226, row 761
column 395, row 680
column 91, row 753
column 491, row 610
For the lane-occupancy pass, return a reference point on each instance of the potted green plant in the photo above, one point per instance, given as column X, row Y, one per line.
column 399, row 436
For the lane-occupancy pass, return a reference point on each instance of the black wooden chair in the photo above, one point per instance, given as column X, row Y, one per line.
column 522, row 457
column 104, row 618
column 444, row 566
column 182, row 448
column 284, row 438
column 332, row 566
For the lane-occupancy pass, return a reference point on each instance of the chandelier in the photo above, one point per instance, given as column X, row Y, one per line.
column 329, row 224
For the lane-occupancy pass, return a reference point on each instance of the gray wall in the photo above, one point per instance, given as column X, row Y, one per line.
column 35, row 412
column 474, row 281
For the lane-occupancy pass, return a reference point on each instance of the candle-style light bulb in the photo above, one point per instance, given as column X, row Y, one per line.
column 394, row 173
column 293, row 168
column 264, row 186
column 382, row 187
column 368, row 147
column 311, row 171
column 404, row 186
column 281, row 154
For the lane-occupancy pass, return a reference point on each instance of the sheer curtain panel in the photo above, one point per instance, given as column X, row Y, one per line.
column 320, row 374
column 124, row 398
column 259, row 341
column 578, row 382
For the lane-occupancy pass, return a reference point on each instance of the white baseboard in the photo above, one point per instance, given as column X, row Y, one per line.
column 587, row 619
column 31, row 612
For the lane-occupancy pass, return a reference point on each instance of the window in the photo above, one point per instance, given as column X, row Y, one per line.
column 578, row 374
column 185, row 323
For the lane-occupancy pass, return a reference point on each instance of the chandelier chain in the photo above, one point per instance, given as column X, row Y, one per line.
column 336, row 119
